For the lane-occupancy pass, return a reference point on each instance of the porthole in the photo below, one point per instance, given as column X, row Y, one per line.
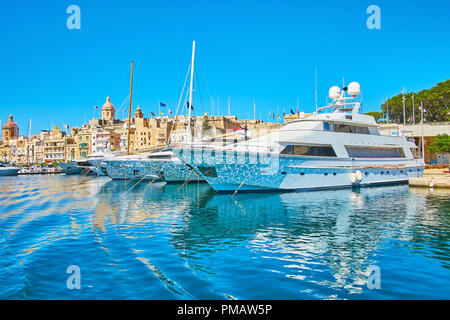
column 367, row 174
column 325, row 174
column 334, row 173
column 302, row 173
column 382, row 172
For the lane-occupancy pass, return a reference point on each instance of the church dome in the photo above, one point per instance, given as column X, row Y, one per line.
column 10, row 124
column 108, row 105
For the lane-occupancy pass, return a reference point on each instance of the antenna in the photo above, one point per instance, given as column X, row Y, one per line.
column 404, row 106
column 228, row 105
column 315, row 83
column 254, row 109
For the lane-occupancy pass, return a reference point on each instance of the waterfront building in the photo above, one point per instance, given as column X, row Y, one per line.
column 54, row 142
column 83, row 142
column 430, row 131
column 103, row 141
column 10, row 130
column 71, row 149
column 108, row 112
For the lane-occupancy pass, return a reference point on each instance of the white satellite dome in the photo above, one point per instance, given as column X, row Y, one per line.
column 334, row 92
column 354, row 89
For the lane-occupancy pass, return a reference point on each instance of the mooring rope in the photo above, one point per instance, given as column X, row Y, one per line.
column 244, row 181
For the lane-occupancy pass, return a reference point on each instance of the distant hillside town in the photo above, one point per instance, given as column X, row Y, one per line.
column 111, row 134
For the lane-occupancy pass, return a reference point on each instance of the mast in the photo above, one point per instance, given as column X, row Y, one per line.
column 190, row 91
column 315, row 84
column 404, row 107
column 29, row 141
column 423, row 142
column 129, row 109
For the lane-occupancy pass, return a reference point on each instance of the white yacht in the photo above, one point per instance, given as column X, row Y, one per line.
column 7, row 170
column 156, row 165
column 336, row 147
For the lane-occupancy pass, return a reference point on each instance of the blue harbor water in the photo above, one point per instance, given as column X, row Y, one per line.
column 167, row 241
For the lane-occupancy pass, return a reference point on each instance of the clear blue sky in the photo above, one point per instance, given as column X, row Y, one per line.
column 262, row 50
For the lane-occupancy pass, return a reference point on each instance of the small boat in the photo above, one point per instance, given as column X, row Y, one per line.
column 97, row 161
column 129, row 167
column 7, row 170
column 81, row 167
column 170, row 167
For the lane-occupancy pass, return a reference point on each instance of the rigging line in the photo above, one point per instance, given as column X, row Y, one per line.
column 243, row 181
column 139, row 181
column 185, row 181
column 204, row 77
column 126, row 99
column 199, row 92
column 121, row 80
column 148, row 184
column 179, row 101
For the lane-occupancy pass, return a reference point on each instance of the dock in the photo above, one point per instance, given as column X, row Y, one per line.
column 432, row 178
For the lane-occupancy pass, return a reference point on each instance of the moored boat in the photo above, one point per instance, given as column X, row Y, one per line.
column 337, row 149
column 81, row 167
column 7, row 170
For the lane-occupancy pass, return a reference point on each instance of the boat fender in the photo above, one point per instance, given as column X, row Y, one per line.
column 359, row 175
column 353, row 177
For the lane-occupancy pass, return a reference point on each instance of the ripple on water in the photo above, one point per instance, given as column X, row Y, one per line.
column 161, row 241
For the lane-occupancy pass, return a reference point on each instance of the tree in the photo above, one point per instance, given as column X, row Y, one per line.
column 436, row 102
column 205, row 124
column 377, row 115
column 440, row 144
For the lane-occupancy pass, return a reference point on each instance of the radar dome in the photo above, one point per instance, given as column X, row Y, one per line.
column 354, row 89
column 334, row 92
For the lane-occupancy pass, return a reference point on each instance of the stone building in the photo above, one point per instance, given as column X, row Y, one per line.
column 108, row 112
column 54, row 145
column 429, row 131
column 83, row 141
column 10, row 130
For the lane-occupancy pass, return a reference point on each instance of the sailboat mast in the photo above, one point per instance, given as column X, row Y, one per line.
column 29, row 141
column 190, row 90
column 129, row 109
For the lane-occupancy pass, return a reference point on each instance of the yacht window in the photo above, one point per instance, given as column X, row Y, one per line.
column 336, row 127
column 374, row 152
column 343, row 128
column 304, row 150
column 362, row 130
column 159, row 157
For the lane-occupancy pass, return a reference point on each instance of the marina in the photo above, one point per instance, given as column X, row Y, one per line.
column 256, row 153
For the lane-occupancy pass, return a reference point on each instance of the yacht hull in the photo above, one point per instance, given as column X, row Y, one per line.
column 249, row 172
column 98, row 167
column 131, row 170
column 9, row 171
column 173, row 171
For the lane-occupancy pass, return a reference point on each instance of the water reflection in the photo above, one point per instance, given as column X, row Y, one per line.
column 187, row 242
